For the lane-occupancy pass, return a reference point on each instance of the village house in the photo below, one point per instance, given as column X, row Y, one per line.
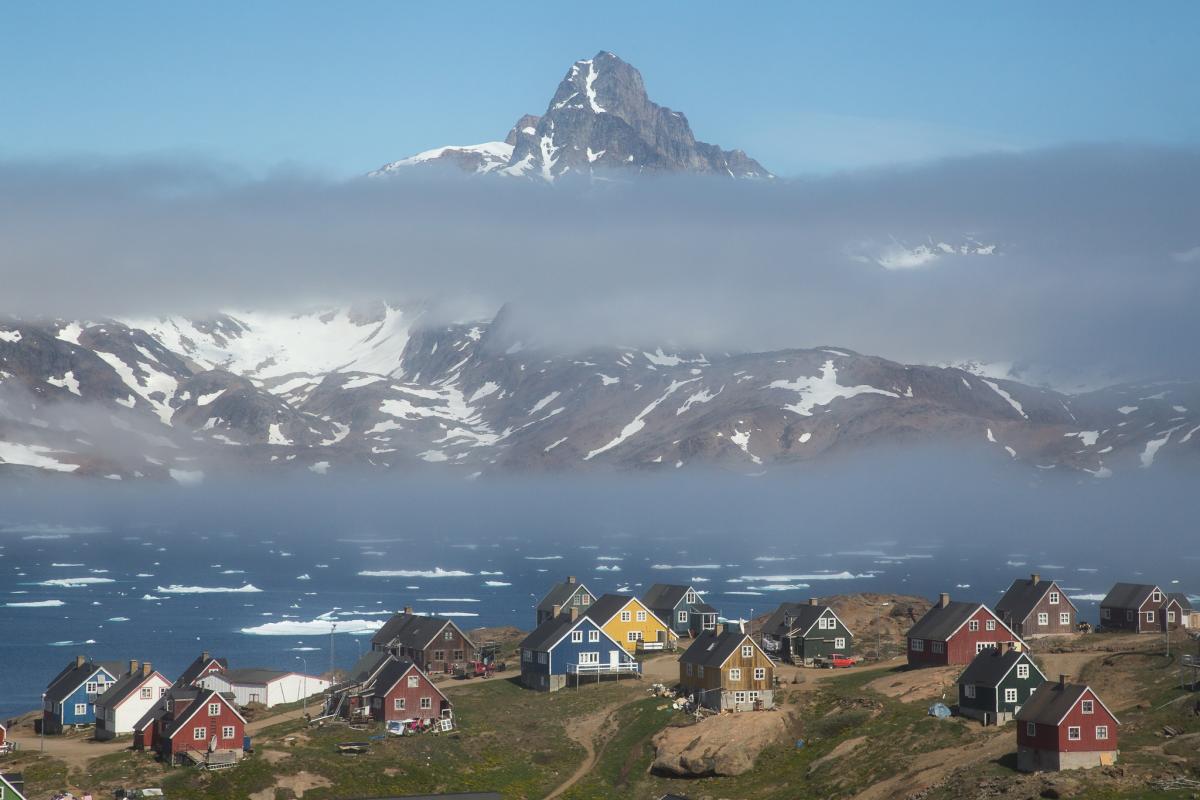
column 434, row 644
column 954, row 632
column 268, row 687
column 681, row 607
column 3, row 738
column 1035, row 607
column 204, row 664
column 562, row 597
column 1132, row 607
column 351, row 698
column 801, row 632
column 11, row 787
column 403, row 693
column 1178, row 613
column 127, row 700
column 630, row 622
column 726, row 670
column 1065, row 726
column 71, row 695
column 564, row 650
column 197, row 726
column 996, row 684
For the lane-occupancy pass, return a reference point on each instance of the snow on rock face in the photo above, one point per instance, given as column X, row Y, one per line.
column 638, row 422
column 67, row 381
column 32, row 455
column 822, row 390
column 12, row 337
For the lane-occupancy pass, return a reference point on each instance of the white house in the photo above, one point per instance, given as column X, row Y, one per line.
column 128, row 700
column 266, row 686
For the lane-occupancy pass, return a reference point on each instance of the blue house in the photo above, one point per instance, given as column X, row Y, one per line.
column 564, row 650
column 71, row 696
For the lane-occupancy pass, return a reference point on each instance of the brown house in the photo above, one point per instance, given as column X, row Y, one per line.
column 434, row 644
column 726, row 670
column 1133, row 607
column 1037, row 607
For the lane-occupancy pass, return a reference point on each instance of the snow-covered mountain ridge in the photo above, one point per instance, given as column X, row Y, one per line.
column 379, row 389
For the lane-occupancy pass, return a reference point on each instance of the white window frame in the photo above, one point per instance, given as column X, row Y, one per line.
column 937, row 647
column 543, row 657
column 1074, row 733
column 641, row 616
column 91, row 687
column 448, row 636
column 1022, row 671
column 398, row 703
column 1171, row 615
column 1087, row 707
column 81, row 709
column 1106, row 613
column 969, row 691
column 1010, row 695
column 1156, row 597
column 690, row 598
column 739, row 698
column 626, row 616
column 990, row 625
column 916, row 645
column 633, row 636
column 214, row 709
column 147, row 693
column 1149, row 616
column 688, row 669
column 593, row 636
column 682, row 616
column 839, row 643
column 527, row 655
column 426, row 703
column 760, row 673
column 1102, row 733
column 1043, row 618
column 414, row 681
column 973, row 625
column 1064, row 618
column 735, row 673
column 981, row 646
column 589, row 657
column 1031, row 729
column 576, row 637
column 199, row 734
column 1054, row 598
column 747, row 651
column 228, row 731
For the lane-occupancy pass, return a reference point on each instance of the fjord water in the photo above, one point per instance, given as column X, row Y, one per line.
column 261, row 572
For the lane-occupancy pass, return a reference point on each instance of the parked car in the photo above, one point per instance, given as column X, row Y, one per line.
column 837, row 661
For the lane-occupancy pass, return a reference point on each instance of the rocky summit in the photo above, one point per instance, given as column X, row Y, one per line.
column 379, row 389
column 600, row 120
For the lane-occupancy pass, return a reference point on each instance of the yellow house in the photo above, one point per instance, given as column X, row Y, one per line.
column 629, row 622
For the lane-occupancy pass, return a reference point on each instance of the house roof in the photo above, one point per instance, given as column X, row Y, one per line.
column 990, row 667
column 1182, row 599
column 1024, row 595
column 413, row 630
column 196, row 667
column 126, row 685
column 1128, row 595
column 609, row 605
column 1052, row 701
column 559, row 594
column 711, row 649
column 368, row 665
column 71, row 678
column 548, row 633
column 803, row 616
column 254, row 676
column 4, row 781
column 159, row 709
column 665, row 595
column 941, row 622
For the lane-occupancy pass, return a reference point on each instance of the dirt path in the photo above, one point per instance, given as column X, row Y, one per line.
column 587, row 731
column 75, row 752
column 929, row 769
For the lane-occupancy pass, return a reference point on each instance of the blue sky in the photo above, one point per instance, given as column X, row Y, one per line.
column 341, row 88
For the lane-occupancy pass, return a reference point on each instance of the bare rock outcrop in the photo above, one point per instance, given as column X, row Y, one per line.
column 726, row 744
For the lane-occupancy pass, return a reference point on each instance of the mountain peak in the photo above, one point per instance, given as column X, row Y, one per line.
column 600, row 118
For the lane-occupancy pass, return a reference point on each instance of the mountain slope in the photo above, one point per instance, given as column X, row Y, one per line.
column 600, row 119
column 373, row 389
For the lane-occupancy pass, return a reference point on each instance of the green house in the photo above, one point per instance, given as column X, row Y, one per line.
column 996, row 684
column 801, row 632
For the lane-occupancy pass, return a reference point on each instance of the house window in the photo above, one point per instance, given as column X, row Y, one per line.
column 682, row 617
column 448, row 636
column 690, row 598
column 162, row 690
column 839, row 643
column 990, row 625
column 1064, row 618
column 576, row 636
column 1031, row 729
column 1156, row 597
column 147, row 693
column 214, row 709
column 526, row 655
column 199, row 734
column 821, row 623
column 1149, row 616
column 593, row 636
column 626, row 616
column 969, row 691
column 739, row 698
column 981, row 646
column 641, row 616
column 1010, row 695
column 398, row 704
column 81, row 709
column 1073, row 733
column 633, row 636
column 916, row 645
column 973, row 625
column 414, row 681
column 1087, row 707
column 458, row 655
column 735, row 674
column 752, row 696
column 1106, row 613
column 937, row 647
column 227, row 732
column 747, row 651
column 426, row 703
column 1170, row 616
column 542, row 658
column 1101, row 732
column 584, row 600
column 689, row 670
column 1043, row 618
column 760, row 673
column 699, row 670
column 1054, row 598
column 1022, row 671
column 91, row 687
column 591, row 657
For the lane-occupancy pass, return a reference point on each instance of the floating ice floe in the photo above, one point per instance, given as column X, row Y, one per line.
column 74, row 583
column 496, row 583
column 685, row 566
column 436, row 572
column 316, row 627
column 175, row 588
column 36, row 604
column 816, row 576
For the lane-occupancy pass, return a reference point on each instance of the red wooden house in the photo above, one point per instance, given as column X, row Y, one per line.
column 204, row 664
column 403, row 692
column 196, row 725
column 1065, row 726
column 955, row 632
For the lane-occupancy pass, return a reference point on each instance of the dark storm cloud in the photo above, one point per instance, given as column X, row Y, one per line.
column 1092, row 267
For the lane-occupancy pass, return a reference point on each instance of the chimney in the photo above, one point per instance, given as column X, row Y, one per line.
column 1062, row 681
column 146, row 669
column 812, row 601
column 574, row 613
column 133, row 666
column 719, row 629
column 571, row 579
column 943, row 599
column 408, row 609
column 79, row 661
column 555, row 611
column 204, row 656
column 1035, row 579
column 1002, row 647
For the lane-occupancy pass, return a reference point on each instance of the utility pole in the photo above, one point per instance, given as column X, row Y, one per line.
column 304, row 691
column 43, row 726
column 332, row 631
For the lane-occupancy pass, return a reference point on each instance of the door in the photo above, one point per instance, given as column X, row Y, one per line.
column 614, row 659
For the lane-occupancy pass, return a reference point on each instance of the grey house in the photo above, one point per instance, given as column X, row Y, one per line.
column 562, row 597
column 681, row 608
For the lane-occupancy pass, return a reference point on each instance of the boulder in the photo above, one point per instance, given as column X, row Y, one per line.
column 726, row 744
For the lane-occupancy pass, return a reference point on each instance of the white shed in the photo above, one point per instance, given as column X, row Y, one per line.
column 266, row 686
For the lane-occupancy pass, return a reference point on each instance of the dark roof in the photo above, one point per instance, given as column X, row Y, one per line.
column 391, row 672
column 940, row 621
column 159, row 709
column 367, row 665
column 193, row 671
column 126, row 685
column 1127, row 595
column 559, row 594
column 69, row 679
column 1021, row 598
column 547, row 633
column 412, row 630
column 710, row 649
column 802, row 617
column 257, row 676
column 1182, row 599
column 990, row 666
column 606, row 607
column 1051, row 702
column 705, row 608
column 665, row 595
